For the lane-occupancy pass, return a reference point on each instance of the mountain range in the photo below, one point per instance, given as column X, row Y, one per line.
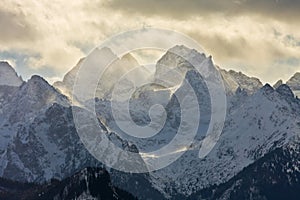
column 256, row 156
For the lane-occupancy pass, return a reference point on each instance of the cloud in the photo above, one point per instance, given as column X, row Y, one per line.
column 243, row 49
column 247, row 35
column 14, row 27
column 277, row 9
column 55, row 33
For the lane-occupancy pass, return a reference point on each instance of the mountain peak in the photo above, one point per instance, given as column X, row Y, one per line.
column 277, row 84
column 267, row 88
column 4, row 63
column 285, row 90
column 103, row 52
column 294, row 81
column 178, row 60
column 8, row 75
column 38, row 84
column 234, row 79
column 37, row 80
column 128, row 57
column 36, row 77
column 185, row 52
column 297, row 74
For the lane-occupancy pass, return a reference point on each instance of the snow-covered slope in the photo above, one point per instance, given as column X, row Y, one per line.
column 20, row 107
column 8, row 76
column 266, row 120
column 37, row 123
column 38, row 139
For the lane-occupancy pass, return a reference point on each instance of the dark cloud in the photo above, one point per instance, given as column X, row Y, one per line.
column 172, row 8
column 278, row 9
column 14, row 27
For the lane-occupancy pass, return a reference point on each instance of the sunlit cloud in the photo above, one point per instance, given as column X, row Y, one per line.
column 251, row 36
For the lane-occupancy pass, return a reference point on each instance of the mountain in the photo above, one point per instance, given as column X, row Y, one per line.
column 8, row 75
column 251, row 128
column 179, row 59
column 294, row 82
column 174, row 64
column 89, row 183
column 111, row 73
column 259, row 119
column 39, row 140
column 257, row 125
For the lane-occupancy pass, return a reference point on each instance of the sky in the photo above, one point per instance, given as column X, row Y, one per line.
column 259, row 38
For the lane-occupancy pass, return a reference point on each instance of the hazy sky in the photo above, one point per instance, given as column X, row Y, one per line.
column 258, row 37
